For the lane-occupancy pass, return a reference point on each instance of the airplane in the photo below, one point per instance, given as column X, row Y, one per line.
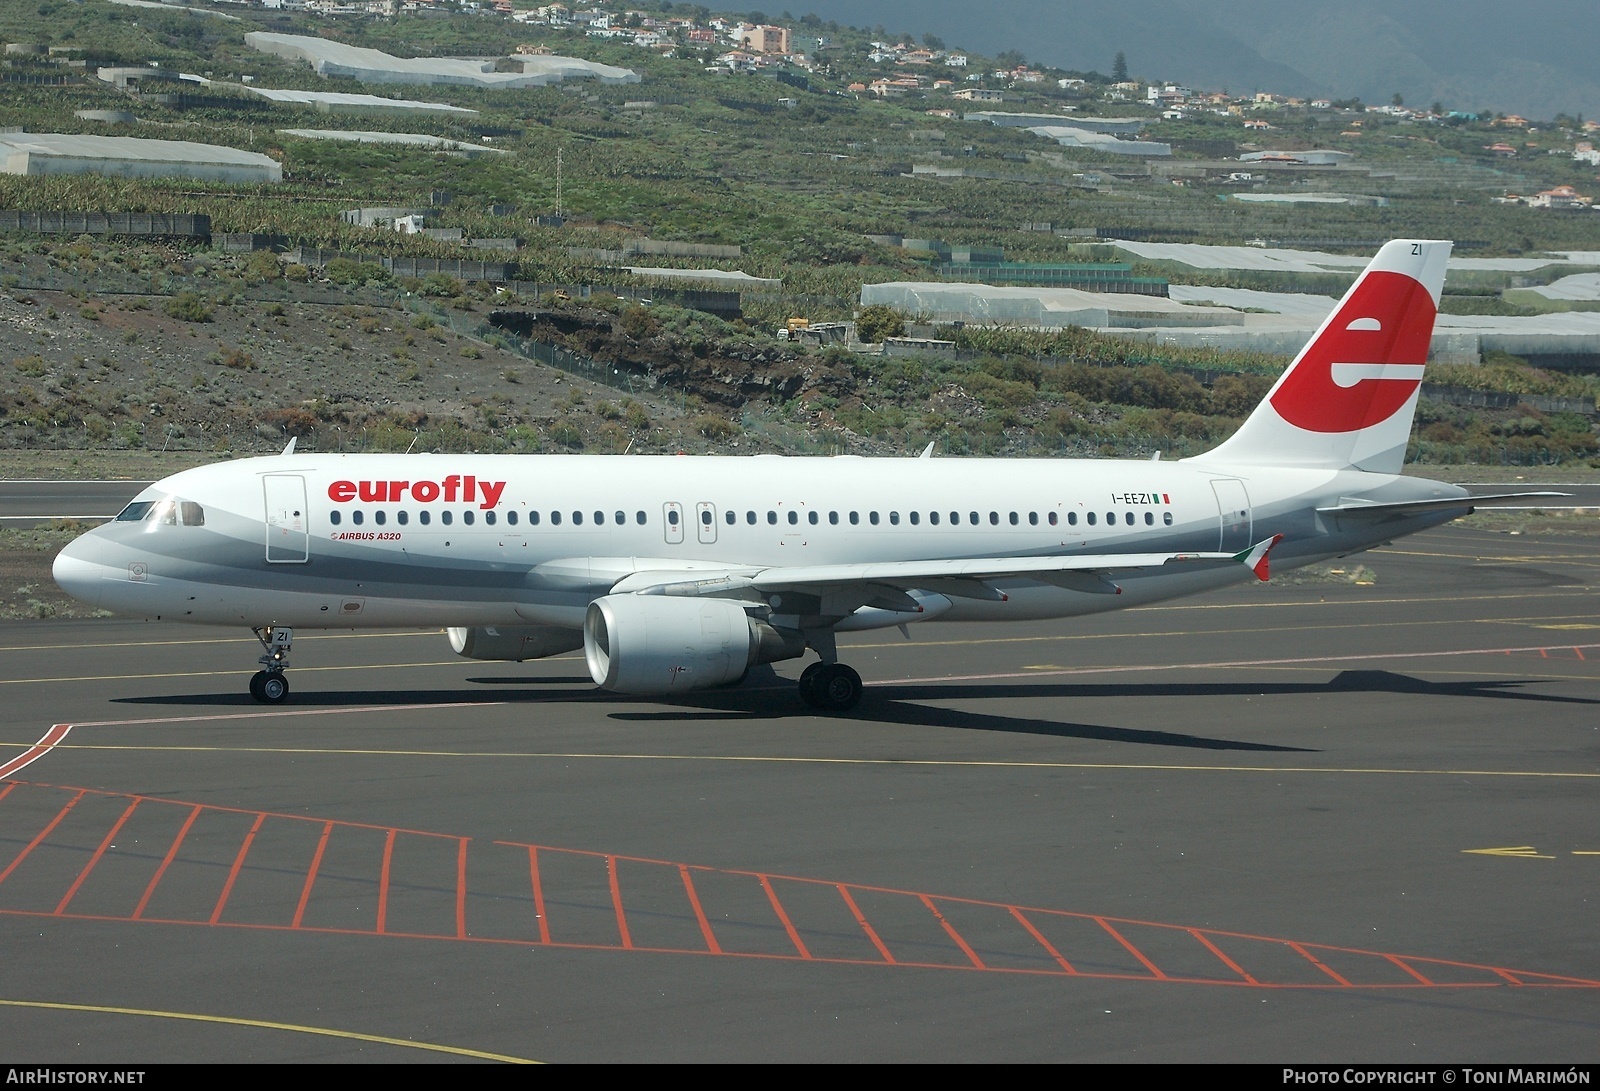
column 680, row 573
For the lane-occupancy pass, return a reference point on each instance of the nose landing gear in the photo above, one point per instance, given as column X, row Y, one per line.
column 270, row 685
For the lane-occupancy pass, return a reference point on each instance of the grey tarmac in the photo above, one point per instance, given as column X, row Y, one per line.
column 1317, row 820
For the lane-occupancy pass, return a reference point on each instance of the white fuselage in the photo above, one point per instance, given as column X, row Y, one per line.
column 338, row 541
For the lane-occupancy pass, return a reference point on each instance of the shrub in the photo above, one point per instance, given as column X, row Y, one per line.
column 878, row 321
column 188, row 307
column 566, row 433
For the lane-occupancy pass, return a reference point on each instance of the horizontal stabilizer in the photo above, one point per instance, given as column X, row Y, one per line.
column 1412, row 507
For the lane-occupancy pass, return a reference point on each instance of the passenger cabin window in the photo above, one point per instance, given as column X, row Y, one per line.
column 333, row 517
column 1128, row 518
column 511, row 518
column 933, row 518
column 1166, row 517
column 833, row 518
column 622, row 518
column 794, row 517
column 915, row 518
column 772, row 518
column 1072, row 519
column 355, row 517
column 1033, row 518
column 424, row 517
column 379, row 517
column 855, row 518
column 1053, row 518
column 488, row 518
column 750, row 517
column 811, row 517
column 1149, row 519
column 894, row 518
column 994, row 518
column 872, row 517
column 467, row 517
column 1091, row 518
column 599, row 518
column 577, row 519
column 638, row 517
column 402, row 517
column 729, row 518
column 1013, row 518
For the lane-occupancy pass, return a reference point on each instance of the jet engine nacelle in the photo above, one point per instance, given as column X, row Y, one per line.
column 655, row 644
column 514, row 643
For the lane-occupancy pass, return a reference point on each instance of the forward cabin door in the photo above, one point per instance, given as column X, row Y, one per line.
column 288, row 538
column 1233, row 511
column 672, row 522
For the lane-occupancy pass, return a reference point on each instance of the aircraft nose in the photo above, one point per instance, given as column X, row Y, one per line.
column 76, row 576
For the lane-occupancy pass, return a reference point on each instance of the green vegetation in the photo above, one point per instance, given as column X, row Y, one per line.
column 716, row 159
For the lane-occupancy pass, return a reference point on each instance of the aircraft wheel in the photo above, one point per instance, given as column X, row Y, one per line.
column 809, row 692
column 255, row 685
column 274, row 688
column 838, row 688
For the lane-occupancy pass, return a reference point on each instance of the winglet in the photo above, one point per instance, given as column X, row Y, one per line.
column 1255, row 558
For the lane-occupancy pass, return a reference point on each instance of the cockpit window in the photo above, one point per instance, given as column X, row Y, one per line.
column 168, row 512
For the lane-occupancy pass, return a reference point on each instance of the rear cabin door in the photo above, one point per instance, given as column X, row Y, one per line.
column 1233, row 511
column 288, row 538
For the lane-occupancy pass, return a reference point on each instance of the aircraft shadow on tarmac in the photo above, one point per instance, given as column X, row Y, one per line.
column 766, row 696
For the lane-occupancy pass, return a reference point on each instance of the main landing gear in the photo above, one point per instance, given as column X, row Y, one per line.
column 831, row 687
column 270, row 685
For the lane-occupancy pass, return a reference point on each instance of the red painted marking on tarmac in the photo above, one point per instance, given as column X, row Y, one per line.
column 538, row 894
column 311, row 874
column 383, row 883
column 977, row 963
column 1046, row 944
column 54, row 822
column 788, row 925
column 72, row 891
column 1302, row 661
column 1132, row 950
column 233, row 872
column 616, row 902
column 38, row 750
column 166, row 861
column 861, row 919
column 461, row 889
column 1368, row 978
column 1226, row 961
column 1317, row 962
column 1400, row 962
column 699, row 913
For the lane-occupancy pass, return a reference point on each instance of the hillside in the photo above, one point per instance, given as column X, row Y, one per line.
column 1466, row 54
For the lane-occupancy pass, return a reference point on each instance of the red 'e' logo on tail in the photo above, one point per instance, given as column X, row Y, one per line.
column 1367, row 363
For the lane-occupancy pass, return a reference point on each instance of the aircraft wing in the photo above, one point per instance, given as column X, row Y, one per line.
column 963, row 578
column 1361, row 510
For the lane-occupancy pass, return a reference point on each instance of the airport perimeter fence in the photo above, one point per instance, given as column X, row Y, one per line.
column 161, row 225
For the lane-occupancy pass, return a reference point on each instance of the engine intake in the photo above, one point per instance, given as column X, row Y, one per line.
column 514, row 643
column 656, row 644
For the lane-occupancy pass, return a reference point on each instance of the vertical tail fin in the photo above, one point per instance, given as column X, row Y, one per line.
column 1347, row 400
